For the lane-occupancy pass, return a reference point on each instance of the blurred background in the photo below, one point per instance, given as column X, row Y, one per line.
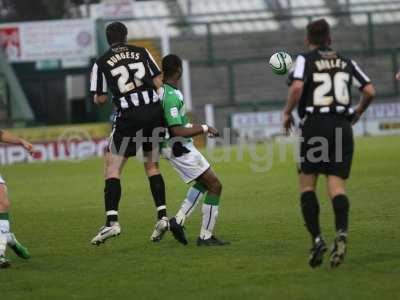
column 48, row 47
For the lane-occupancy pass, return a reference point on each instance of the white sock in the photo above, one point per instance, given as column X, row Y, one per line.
column 188, row 205
column 3, row 244
column 5, row 230
column 210, row 213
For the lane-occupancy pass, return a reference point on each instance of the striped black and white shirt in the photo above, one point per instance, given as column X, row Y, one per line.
column 328, row 79
column 127, row 72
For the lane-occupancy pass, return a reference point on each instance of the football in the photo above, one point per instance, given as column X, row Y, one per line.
column 280, row 62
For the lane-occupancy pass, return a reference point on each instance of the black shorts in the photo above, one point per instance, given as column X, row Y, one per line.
column 327, row 145
column 140, row 127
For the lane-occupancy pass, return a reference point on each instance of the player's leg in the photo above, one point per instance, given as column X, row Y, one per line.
column 193, row 197
column 112, row 194
column 157, row 187
column 310, row 211
column 10, row 238
column 210, row 209
column 189, row 204
column 341, row 158
column 341, row 205
column 5, row 226
column 156, row 182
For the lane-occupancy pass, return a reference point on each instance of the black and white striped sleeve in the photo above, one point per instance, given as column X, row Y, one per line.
column 98, row 83
column 153, row 67
column 360, row 79
column 298, row 72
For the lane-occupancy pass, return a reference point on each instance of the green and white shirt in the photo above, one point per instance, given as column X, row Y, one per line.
column 174, row 109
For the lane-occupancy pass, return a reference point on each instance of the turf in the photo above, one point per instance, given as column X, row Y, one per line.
column 58, row 207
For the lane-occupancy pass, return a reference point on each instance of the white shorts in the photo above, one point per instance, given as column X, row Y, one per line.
column 190, row 165
column 2, row 181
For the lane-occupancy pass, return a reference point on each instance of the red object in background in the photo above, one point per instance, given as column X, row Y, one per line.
column 10, row 42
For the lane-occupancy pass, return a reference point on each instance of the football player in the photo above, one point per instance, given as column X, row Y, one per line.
column 320, row 87
column 132, row 76
column 6, row 236
column 190, row 164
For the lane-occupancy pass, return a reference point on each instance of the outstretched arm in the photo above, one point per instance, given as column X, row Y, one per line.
column 9, row 138
column 195, row 129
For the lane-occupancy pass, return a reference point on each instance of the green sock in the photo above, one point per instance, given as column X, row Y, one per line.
column 200, row 187
column 5, row 216
column 212, row 200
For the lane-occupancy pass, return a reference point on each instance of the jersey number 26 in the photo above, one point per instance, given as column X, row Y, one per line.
column 340, row 84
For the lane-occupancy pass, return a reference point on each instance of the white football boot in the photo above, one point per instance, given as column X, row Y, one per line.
column 161, row 227
column 105, row 233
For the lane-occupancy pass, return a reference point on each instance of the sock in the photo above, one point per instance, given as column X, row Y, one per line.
column 194, row 194
column 3, row 244
column 341, row 208
column 157, row 187
column 210, row 213
column 310, row 210
column 112, row 195
column 5, row 226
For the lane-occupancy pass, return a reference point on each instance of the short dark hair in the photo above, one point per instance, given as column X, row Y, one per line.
column 171, row 65
column 318, row 32
column 116, row 32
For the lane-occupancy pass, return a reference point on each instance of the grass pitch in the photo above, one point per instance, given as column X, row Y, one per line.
column 58, row 207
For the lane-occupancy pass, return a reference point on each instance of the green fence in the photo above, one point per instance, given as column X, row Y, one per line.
column 19, row 109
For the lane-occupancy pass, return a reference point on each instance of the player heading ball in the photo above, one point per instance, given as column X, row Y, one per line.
column 132, row 76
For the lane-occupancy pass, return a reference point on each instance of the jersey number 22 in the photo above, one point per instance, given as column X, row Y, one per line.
column 124, row 84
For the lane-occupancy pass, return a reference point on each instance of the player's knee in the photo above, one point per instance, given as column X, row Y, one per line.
column 151, row 170
column 336, row 186
column 336, row 191
column 307, row 188
column 112, row 173
column 4, row 203
column 215, row 186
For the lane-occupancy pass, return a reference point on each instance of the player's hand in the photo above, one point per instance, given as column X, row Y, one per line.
column 398, row 76
column 28, row 147
column 287, row 122
column 212, row 132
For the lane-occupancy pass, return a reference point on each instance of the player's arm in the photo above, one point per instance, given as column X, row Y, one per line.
column 158, row 81
column 398, row 76
column 194, row 130
column 367, row 91
column 155, row 72
column 296, row 87
column 172, row 105
column 100, row 99
column 9, row 138
column 367, row 96
column 98, row 85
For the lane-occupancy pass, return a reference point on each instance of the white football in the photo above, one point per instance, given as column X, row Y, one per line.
column 280, row 62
